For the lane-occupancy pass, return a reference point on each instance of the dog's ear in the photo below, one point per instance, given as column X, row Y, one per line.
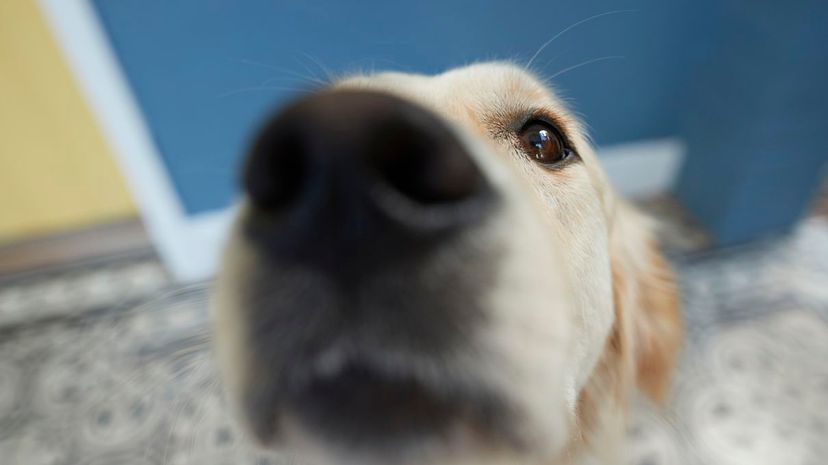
column 648, row 330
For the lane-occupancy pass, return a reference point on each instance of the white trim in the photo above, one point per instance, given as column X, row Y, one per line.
column 189, row 245
column 642, row 168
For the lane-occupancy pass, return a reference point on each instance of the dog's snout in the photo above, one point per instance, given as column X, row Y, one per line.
column 358, row 150
column 415, row 154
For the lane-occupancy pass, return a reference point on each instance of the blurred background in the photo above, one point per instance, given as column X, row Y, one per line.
column 122, row 124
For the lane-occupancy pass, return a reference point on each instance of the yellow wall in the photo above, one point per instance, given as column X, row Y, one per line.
column 56, row 172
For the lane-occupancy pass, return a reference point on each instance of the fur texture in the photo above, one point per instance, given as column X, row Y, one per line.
column 583, row 309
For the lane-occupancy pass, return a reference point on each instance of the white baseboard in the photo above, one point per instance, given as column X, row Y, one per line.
column 190, row 245
column 643, row 168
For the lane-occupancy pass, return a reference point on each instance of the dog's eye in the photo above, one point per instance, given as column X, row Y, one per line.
column 543, row 143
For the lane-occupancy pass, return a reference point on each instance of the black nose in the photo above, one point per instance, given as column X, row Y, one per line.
column 364, row 160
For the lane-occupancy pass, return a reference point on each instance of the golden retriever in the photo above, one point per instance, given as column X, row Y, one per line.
column 436, row 270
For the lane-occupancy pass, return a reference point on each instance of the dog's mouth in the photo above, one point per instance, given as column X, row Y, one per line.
column 365, row 406
column 359, row 403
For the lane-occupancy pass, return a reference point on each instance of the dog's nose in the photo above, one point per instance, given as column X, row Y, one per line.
column 363, row 160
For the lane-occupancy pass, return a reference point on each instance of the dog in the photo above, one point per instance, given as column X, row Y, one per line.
column 436, row 270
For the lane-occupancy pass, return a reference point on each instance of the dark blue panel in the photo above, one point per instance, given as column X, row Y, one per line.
column 756, row 125
column 205, row 71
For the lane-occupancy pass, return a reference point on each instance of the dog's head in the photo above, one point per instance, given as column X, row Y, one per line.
column 434, row 269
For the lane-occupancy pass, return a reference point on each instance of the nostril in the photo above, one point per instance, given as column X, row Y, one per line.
column 428, row 166
column 276, row 169
column 381, row 155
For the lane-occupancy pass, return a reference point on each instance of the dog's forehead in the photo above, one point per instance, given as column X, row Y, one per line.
column 495, row 86
column 480, row 94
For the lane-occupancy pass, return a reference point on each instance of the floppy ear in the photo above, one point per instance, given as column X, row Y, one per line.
column 648, row 330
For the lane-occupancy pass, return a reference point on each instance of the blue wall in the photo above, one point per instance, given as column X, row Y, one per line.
column 206, row 71
column 756, row 122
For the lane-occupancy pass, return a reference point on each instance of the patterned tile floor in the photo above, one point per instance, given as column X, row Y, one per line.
column 107, row 363
column 102, row 285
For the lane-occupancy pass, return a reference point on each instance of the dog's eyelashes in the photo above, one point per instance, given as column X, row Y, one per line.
column 543, row 143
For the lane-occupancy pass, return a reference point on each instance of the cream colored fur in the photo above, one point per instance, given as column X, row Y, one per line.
column 569, row 329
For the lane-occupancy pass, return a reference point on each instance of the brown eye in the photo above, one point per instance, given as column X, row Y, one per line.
column 543, row 143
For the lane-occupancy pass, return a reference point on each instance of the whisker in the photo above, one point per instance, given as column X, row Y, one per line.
column 310, row 77
column 288, row 79
column 584, row 63
column 309, row 71
column 262, row 89
column 542, row 70
column 372, row 65
column 546, row 44
column 328, row 76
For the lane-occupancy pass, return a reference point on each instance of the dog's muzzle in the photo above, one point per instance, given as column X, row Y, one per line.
column 360, row 301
